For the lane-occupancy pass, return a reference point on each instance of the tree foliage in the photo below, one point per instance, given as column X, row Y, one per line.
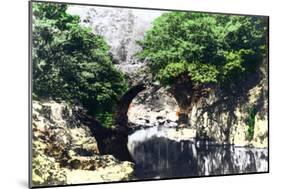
column 209, row 48
column 70, row 62
column 250, row 121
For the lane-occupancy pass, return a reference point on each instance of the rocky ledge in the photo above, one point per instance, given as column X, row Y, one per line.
column 237, row 117
column 64, row 152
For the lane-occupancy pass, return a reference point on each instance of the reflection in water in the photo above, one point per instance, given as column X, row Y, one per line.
column 156, row 156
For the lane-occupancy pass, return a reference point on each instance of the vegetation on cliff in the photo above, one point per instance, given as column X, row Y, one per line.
column 250, row 121
column 205, row 48
column 71, row 63
column 193, row 54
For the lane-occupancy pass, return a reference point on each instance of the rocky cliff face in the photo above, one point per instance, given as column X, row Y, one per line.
column 121, row 28
column 226, row 118
column 65, row 152
column 239, row 116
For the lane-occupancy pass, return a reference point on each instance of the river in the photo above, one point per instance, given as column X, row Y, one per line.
column 157, row 156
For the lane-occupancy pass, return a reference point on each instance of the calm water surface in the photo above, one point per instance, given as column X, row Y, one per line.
column 156, row 156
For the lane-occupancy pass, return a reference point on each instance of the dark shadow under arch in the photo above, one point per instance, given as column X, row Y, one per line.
column 121, row 117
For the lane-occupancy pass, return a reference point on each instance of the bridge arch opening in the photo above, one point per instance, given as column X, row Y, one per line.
column 148, row 105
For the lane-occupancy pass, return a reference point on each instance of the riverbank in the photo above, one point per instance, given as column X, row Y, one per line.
column 65, row 152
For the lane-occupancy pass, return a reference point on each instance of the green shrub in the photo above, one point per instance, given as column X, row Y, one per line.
column 106, row 118
column 251, row 123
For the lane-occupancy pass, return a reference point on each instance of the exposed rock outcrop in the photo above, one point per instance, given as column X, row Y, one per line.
column 220, row 115
column 224, row 117
column 121, row 28
column 65, row 152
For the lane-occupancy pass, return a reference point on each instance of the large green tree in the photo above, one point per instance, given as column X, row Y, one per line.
column 187, row 51
column 71, row 63
column 210, row 48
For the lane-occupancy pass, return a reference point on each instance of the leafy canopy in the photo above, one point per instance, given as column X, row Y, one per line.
column 209, row 48
column 70, row 62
